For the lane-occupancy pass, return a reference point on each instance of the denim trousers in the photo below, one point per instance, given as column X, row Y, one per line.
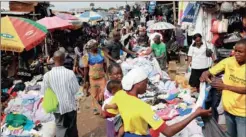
column 236, row 125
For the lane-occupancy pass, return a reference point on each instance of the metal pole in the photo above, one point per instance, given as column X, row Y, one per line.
column 174, row 12
column 46, row 48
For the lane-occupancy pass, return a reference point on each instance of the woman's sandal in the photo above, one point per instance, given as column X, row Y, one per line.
column 95, row 112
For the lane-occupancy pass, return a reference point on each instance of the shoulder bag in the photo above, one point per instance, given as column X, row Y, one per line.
column 209, row 52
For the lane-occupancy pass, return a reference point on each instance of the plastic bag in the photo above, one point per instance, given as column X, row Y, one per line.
column 48, row 129
column 187, row 74
column 50, row 102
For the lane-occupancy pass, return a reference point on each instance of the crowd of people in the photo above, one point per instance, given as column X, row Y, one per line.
column 96, row 67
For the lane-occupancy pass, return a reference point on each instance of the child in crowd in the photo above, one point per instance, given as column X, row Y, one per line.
column 113, row 86
column 114, row 72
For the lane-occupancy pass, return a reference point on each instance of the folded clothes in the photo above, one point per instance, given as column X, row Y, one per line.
column 183, row 112
column 168, row 113
column 34, row 87
column 174, row 101
column 172, row 96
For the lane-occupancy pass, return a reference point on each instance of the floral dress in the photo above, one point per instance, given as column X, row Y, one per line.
column 96, row 74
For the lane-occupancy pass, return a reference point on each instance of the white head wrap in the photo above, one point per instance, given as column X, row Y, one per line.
column 62, row 49
column 133, row 77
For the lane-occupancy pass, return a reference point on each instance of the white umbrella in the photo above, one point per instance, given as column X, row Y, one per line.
column 161, row 26
column 150, row 22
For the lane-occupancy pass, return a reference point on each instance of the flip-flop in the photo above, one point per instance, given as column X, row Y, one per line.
column 95, row 112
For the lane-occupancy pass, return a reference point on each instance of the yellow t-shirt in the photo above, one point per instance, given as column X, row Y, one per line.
column 233, row 103
column 136, row 114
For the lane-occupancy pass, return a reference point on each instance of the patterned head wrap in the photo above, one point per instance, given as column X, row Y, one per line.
column 90, row 44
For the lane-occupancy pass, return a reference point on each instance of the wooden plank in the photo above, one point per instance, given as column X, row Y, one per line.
column 22, row 6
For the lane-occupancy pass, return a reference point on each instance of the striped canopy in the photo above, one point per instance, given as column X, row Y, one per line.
column 89, row 16
column 161, row 26
column 18, row 34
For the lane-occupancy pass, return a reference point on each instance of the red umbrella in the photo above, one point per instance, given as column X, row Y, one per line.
column 52, row 23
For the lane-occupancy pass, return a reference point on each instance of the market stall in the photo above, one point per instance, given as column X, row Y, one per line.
column 220, row 23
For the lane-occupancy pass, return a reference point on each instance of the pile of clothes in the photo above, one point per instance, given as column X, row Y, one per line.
column 172, row 100
column 22, row 111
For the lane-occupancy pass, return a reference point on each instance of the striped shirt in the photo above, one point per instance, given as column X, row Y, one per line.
column 65, row 85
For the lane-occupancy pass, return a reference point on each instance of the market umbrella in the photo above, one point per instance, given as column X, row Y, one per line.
column 52, row 23
column 161, row 26
column 18, row 34
column 89, row 16
column 66, row 16
column 71, row 19
column 150, row 22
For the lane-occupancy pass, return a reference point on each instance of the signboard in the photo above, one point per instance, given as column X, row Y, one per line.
column 190, row 13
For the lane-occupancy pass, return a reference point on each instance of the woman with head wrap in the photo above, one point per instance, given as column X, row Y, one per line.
column 94, row 73
column 137, row 115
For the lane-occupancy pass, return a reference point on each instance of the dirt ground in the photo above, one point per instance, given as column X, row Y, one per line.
column 88, row 124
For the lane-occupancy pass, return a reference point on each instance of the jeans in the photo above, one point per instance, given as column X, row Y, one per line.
column 213, row 101
column 66, row 124
column 236, row 125
column 162, row 62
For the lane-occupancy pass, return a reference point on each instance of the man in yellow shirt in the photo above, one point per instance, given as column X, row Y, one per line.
column 233, row 89
column 137, row 115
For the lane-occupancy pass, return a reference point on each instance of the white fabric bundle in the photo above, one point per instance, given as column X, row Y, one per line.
column 133, row 77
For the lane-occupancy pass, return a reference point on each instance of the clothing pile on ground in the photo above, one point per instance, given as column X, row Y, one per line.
column 172, row 101
column 23, row 114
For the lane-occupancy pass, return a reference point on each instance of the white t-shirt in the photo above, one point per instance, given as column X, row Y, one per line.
column 107, row 24
column 152, row 36
column 199, row 58
column 143, row 19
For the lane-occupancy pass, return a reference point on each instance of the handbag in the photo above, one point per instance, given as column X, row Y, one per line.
column 235, row 22
column 209, row 52
column 50, row 101
column 239, row 4
column 210, row 6
column 226, row 7
column 220, row 26
column 224, row 53
column 232, row 37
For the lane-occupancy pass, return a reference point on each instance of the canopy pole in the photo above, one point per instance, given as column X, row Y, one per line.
column 45, row 47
